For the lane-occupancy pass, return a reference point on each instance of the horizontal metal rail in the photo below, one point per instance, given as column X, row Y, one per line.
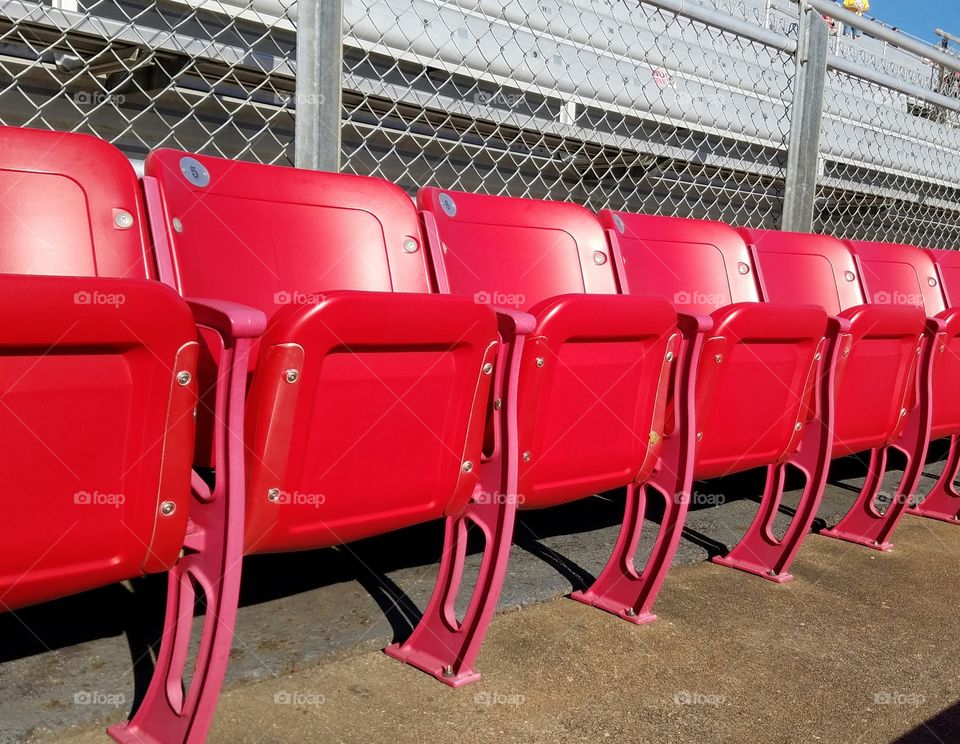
column 725, row 22
column 879, row 31
column 884, row 80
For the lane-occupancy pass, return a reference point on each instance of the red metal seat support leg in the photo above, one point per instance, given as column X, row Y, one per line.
column 172, row 711
column 621, row 589
column 864, row 524
column 441, row 645
column 760, row 552
column 943, row 501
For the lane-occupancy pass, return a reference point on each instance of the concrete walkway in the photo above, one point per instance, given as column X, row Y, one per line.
column 861, row 647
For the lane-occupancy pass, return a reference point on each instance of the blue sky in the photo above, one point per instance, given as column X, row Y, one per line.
column 919, row 17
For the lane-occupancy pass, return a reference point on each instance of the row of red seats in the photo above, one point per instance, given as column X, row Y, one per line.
column 322, row 360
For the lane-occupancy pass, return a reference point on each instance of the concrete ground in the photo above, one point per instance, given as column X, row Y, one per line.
column 859, row 648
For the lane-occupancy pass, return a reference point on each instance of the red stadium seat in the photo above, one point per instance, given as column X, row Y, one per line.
column 97, row 376
column 589, row 383
column 907, row 275
column 882, row 400
column 763, row 378
column 347, row 401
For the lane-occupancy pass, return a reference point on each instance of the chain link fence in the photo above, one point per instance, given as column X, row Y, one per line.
column 612, row 103
column 891, row 166
column 207, row 76
column 607, row 103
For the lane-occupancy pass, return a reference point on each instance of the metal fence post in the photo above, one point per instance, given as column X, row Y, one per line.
column 803, row 153
column 319, row 83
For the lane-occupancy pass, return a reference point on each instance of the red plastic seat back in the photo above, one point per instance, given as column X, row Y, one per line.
column 70, row 205
column 698, row 265
column 878, row 377
column 373, row 434
column 895, row 274
column 97, row 432
column 515, row 252
column 805, row 269
column 267, row 236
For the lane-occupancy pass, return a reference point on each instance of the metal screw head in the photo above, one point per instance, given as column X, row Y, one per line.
column 448, row 671
column 618, row 223
column 654, row 437
column 167, row 508
column 903, row 411
column 846, row 352
column 487, row 368
column 122, row 219
column 816, row 357
column 193, row 170
column 291, row 375
column 526, row 457
column 496, row 404
column 630, row 612
column 943, row 347
column 797, row 426
column 410, row 245
column 599, row 258
column 184, row 377
column 541, row 361
column 699, row 436
column 669, row 356
column 467, row 466
column 772, row 572
column 743, row 268
column 718, row 358
column 273, row 494
column 849, row 276
column 448, row 205
column 931, row 281
column 177, row 225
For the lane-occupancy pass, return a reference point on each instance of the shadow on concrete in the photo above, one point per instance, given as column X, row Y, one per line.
column 943, row 727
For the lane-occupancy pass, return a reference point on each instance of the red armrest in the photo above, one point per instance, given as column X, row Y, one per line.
column 691, row 324
column 947, row 322
column 514, row 322
column 230, row 319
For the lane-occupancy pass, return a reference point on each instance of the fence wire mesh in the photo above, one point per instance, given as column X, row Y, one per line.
column 612, row 103
column 608, row 104
column 208, row 76
column 891, row 166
